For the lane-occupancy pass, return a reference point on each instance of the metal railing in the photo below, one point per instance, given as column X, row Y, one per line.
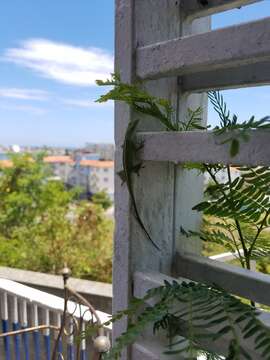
column 37, row 325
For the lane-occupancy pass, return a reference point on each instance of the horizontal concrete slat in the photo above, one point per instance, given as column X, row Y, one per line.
column 224, row 48
column 245, row 76
column 195, row 9
column 251, row 285
column 148, row 280
column 204, row 147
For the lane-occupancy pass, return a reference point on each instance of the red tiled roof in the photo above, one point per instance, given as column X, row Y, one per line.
column 64, row 159
column 6, row 163
column 97, row 163
column 59, row 159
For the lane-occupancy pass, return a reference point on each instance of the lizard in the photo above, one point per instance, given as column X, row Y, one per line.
column 129, row 149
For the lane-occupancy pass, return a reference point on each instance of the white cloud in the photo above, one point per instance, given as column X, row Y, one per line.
column 86, row 103
column 62, row 62
column 23, row 94
column 24, row 108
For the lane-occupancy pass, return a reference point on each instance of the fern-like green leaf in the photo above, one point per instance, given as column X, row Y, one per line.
column 193, row 313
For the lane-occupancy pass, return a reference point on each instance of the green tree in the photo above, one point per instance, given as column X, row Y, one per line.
column 92, row 239
column 20, row 188
column 43, row 225
column 103, row 199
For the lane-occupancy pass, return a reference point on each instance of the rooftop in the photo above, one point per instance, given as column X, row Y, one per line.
column 64, row 159
column 97, row 163
column 59, row 159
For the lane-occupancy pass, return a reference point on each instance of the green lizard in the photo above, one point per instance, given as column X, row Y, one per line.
column 129, row 149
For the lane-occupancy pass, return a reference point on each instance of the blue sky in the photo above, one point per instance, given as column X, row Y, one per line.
column 50, row 54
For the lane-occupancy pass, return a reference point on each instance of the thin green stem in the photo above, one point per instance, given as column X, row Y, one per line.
column 238, row 226
column 237, row 223
column 235, row 244
column 246, row 252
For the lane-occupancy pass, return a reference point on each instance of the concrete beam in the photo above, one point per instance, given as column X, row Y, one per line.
column 234, row 46
column 249, row 284
column 248, row 75
column 204, row 147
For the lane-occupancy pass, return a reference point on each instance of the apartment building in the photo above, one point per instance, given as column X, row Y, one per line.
column 90, row 175
column 61, row 165
column 100, row 175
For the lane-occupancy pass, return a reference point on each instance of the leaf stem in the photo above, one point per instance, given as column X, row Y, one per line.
column 237, row 223
column 238, row 226
column 235, row 244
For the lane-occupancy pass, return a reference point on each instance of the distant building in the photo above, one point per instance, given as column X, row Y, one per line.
column 61, row 165
column 90, row 175
column 100, row 175
column 105, row 151
column 91, row 156
column 5, row 163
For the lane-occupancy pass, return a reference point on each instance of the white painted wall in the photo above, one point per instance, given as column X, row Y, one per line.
column 102, row 178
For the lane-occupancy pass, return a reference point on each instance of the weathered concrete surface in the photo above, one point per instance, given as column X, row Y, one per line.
column 248, row 75
column 242, row 282
column 223, row 48
column 202, row 146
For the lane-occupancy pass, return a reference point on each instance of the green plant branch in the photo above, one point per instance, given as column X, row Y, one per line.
column 237, row 223
column 235, row 244
column 238, row 227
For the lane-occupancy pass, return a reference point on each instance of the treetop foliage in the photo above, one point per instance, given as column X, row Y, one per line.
column 43, row 225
